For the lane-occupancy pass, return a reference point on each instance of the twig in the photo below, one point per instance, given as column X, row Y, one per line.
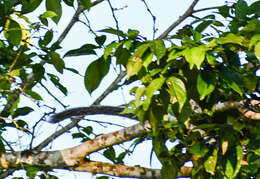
column 57, row 134
column 188, row 12
column 114, row 17
column 54, row 97
column 110, row 88
column 153, row 17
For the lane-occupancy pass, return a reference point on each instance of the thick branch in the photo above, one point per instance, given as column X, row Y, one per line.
column 104, row 141
column 241, row 106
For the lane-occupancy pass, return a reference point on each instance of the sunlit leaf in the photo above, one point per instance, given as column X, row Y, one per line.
column 257, row 50
column 232, row 161
column 26, row 37
column 134, row 64
column 132, row 34
column 48, row 14
column 177, row 90
column 155, row 85
column 195, row 55
column 232, row 38
column 211, row 162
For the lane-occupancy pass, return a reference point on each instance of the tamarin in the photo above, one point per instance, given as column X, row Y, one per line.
column 94, row 109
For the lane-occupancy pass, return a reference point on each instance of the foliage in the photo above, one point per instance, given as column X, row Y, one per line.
column 183, row 75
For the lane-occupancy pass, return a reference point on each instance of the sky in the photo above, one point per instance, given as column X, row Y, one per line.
column 134, row 16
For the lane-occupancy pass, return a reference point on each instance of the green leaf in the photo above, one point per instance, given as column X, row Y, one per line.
column 100, row 40
column 54, row 6
column 2, row 146
column 122, row 55
column 202, row 26
column 198, row 148
column 87, row 49
column 47, row 38
column 48, row 14
column 250, row 81
column 110, row 154
column 233, row 79
column 78, row 135
column 205, row 83
column 88, row 130
column 177, row 90
column 158, row 48
column 255, row 38
column 132, row 34
column 31, row 171
column 86, row 3
column 57, row 61
column 22, row 111
column 241, row 10
column 257, row 50
column 224, row 10
column 110, row 48
column 114, row 31
column 154, row 86
column 13, row 32
column 30, row 5
column 232, row 161
column 56, row 81
column 232, row 38
column 134, row 64
column 197, row 36
column 69, row 2
column 211, row 162
column 95, row 73
column 195, row 56
column 33, row 95
column 254, row 8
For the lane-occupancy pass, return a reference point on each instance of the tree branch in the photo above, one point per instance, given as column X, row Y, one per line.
column 241, row 106
column 188, row 12
column 110, row 88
